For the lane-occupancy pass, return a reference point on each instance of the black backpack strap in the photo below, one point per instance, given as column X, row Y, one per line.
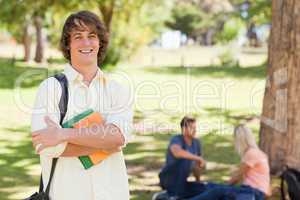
column 63, row 102
column 63, row 105
column 41, row 188
column 282, row 193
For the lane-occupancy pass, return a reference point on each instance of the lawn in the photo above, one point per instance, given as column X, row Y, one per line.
column 220, row 98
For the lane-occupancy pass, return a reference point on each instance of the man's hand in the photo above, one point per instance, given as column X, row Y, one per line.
column 48, row 137
column 201, row 162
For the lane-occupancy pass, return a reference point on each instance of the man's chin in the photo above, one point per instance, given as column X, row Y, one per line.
column 193, row 136
column 88, row 62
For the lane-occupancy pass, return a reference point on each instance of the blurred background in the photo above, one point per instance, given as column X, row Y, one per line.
column 201, row 57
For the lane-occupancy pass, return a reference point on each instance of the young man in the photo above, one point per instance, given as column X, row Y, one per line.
column 183, row 157
column 84, row 42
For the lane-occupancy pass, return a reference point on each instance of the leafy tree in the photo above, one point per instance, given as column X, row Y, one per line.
column 196, row 20
column 132, row 23
column 16, row 18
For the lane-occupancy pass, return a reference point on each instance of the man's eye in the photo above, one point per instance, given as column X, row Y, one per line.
column 77, row 37
column 92, row 36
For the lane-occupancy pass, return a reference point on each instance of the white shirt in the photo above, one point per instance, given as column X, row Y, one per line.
column 107, row 180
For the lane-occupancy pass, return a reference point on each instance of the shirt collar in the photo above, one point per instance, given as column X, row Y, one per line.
column 73, row 75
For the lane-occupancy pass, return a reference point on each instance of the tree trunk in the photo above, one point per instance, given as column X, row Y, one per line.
column 209, row 35
column 280, row 121
column 107, row 11
column 39, row 50
column 27, row 40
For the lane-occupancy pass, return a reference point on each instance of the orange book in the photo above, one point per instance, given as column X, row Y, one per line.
column 83, row 120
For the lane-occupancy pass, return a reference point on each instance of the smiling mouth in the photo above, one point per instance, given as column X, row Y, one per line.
column 86, row 51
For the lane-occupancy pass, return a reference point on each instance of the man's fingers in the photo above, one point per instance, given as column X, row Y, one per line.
column 34, row 143
column 37, row 137
column 38, row 147
column 36, row 140
column 33, row 134
column 41, row 148
column 33, row 137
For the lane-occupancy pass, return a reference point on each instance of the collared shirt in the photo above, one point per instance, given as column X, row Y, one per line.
column 194, row 148
column 258, row 174
column 107, row 180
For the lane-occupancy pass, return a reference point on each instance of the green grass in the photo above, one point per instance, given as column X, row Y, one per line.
column 163, row 96
column 13, row 72
column 215, row 71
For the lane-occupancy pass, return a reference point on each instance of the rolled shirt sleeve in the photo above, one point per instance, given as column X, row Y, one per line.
column 121, row 114
column 46, row 104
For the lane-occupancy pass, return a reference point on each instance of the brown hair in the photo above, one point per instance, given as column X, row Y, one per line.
column 186, row 120
column 79, row 21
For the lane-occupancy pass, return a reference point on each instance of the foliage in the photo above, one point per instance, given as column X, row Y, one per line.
column 227, row 58
column 185, row 18
column 260, row 11
column 135, row 24
column 231, row 30
column 192, row 19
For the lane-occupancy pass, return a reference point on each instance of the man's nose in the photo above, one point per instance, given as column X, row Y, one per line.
column 86, row 41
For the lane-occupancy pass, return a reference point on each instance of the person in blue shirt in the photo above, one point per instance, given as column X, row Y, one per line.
column 183, row 158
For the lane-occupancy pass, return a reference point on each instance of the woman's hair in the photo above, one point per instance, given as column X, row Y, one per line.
column 243, row 139
column 80, row 21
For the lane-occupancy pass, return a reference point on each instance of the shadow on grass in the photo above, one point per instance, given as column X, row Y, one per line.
column 149, row 153
column 15, row 74
column 138, row 116
column 15, row 163
column 213, row 71
column 141, row 194
column 219, row 148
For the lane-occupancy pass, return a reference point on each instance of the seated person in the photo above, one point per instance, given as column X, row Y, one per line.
column 254, row 172
column 183, row 157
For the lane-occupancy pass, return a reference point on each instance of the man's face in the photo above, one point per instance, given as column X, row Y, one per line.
column 190, row 130
column 84, row 47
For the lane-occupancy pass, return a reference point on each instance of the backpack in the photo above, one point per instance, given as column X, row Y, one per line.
column 63, row 103
column 292, row 179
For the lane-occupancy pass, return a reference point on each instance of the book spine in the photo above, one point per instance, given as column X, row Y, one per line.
column 86, row 161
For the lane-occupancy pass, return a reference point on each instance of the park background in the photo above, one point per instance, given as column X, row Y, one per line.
column 207, row 58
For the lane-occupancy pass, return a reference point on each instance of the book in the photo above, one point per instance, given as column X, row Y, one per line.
column 85, row 119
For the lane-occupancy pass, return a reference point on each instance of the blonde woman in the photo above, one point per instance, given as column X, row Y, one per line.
column 253, row 172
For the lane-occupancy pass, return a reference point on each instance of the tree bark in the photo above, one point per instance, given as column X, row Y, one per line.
column 40, row 46
column 107, row 11
column 280, row 121
column 209, row 36
column 27, row 40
